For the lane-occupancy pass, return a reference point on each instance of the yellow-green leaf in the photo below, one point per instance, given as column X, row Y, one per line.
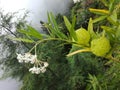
column 99, row 11
column 90, row 29
column 21, row 39
column 99, row 19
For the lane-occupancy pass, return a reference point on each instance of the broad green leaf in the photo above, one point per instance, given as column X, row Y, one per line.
column 99, row 11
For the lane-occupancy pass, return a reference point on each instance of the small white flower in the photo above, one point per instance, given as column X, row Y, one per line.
column 20, row 58
column 46, row 64
column 37, row 70
column 26, row 61
column 27, row 57
column 30, row 58
column 34, row 70
column 33, row 59
column 42, row 69
column 75, row 1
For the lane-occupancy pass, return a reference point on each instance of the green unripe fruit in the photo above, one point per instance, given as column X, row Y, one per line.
column 100, row 47
column 83, row 36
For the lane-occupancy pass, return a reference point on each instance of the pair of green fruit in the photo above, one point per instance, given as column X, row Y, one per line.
column 100, row 46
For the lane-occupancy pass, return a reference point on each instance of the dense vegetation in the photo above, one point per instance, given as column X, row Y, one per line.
column 94, row 69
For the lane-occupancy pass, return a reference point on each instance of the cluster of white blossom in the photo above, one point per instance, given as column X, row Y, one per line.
column 38, row 70
column 75, row 1
column 27, row 57
column 39, row 66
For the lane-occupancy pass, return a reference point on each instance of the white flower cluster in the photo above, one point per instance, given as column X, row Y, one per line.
column 75, row 1
column 38, row 70
column 39, row 66
column 27, row 57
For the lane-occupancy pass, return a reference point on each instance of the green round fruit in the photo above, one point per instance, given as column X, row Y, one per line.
column 100, row 46
column 83, row 36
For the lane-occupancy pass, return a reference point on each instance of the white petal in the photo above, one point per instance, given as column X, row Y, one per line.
column 26, row 61
column 20, row 61
column 43, row 70
column 46, row 64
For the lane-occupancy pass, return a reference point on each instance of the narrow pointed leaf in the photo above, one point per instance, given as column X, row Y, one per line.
column 99, row 19
column 70, row 27
column 90, row 29
column 31, row 32
column 34, row 32
column 99, row 11
column 108, row 29
column 67, row 23
column 21, row 39
column 54, row 27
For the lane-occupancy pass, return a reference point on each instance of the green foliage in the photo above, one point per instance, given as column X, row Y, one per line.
column 80, row 71
column 56, row 76
column 107, row 81
column 81, row 66
column 10, row 64
column 94, row 83
column 31, row 32
column 53, row 27
column 70, row 27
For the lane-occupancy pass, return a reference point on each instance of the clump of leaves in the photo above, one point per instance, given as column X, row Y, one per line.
column 81, row 65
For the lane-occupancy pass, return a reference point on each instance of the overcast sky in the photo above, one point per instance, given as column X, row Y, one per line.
column 38, row 8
